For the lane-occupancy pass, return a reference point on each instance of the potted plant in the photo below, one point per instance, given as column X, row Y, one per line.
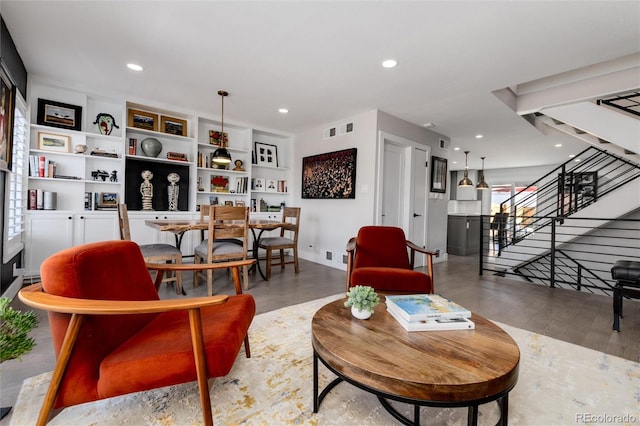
column 14, row 335
column 362, row 299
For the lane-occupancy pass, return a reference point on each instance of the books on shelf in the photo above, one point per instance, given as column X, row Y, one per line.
column 133, row 143
column 436, row 324
column 420, row 307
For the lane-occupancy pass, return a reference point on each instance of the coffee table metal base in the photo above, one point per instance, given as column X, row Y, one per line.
column 501, row 398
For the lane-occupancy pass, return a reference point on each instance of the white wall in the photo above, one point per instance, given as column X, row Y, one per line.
column 327, row 225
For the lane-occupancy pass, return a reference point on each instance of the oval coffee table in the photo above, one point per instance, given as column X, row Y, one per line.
column 457, row 368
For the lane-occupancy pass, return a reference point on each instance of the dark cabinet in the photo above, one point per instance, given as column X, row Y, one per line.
column 463, row 235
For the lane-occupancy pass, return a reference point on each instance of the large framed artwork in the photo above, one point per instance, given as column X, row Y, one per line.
column 330, row 176
column 438, row 174
column 6, row 122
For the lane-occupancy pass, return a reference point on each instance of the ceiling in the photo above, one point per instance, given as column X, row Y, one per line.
column 321, row 60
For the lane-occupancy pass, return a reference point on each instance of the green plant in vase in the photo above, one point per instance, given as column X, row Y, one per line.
column 362, row 300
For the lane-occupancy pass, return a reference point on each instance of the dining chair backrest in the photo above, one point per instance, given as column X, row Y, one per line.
column 123, row 222
column 291, row 218
column 226, row 222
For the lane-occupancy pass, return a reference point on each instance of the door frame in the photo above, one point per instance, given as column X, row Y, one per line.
column 409, row 152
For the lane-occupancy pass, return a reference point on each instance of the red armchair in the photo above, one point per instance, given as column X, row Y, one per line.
column 113, row 336
column 378, row 257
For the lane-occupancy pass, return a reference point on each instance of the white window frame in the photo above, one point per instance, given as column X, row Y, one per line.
column 15, row 203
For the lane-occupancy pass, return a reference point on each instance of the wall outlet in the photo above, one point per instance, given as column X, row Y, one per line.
column 345, row 258
column 438, row 253
column 329, row 255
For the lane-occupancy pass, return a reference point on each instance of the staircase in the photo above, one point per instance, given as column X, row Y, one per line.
column 566, row 206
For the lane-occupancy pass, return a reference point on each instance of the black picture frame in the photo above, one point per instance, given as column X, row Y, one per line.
column 438, row 174
column 330, row 176
column 59, row 114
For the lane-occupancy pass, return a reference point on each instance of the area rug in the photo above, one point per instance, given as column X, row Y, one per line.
column 559, row 384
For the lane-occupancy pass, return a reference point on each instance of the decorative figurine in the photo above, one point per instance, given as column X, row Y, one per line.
column 200, row 187
column 105, row 123
column 99, row 174
column 173, row 190
column 80, row 149
column 114, row 176
column 238, row 167
column 146, row 190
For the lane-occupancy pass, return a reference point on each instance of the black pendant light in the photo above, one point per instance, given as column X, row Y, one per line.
column 482, row 184
column 465, row 180
column 221, row 155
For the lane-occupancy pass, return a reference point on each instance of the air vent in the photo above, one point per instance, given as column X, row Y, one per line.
column 346, row 128
column 331, row 132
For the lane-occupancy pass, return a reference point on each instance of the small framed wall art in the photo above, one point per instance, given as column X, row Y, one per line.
column 54, row 142
column 266, row 154
column 438, row 174
column 173, row 126
column 58, row 114
column 143, row 120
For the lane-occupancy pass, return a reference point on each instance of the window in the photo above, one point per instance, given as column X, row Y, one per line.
column 16, row 185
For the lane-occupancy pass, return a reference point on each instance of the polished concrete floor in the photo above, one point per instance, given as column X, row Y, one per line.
column 580, row 318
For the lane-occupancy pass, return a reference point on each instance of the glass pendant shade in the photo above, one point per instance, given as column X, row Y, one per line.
column 465, row 180
column 482, row 184
column 222, row 155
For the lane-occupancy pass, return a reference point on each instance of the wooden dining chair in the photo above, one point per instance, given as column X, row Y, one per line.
column 153, row 253
column 288, row 240
column 227, row 238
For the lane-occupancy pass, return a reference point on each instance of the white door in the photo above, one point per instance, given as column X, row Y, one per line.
column 418, row 214
column 393, row 185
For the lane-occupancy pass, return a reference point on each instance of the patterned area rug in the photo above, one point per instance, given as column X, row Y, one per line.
column 559, row 384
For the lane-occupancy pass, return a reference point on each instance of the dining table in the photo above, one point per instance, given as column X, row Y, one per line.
column 178, row 227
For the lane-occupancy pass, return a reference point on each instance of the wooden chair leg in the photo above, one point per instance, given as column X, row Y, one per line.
column 210, row 282
column 61, row 366
column 196, row 275
column 281, row 258
column 295, row 259
column 178, row 278
column 269, row 260
column 195, row 321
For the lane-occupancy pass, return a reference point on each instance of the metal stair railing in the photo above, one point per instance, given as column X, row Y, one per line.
column 568, row 188
column 573, row 253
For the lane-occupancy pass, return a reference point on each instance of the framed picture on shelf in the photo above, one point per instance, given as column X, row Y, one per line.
column 228, row 203
column 260, row 184
column 142, row 120
column 266, row 154
column 173, row 126
column 54, row 142
column 58, row 114
column 108, row 200
column 271, row 185
column 216, row 139
column 438, row 174
column 330, row 176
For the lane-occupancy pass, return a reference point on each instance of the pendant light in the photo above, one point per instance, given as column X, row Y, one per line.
column 221, row 155
column 482, row 184
column 465, row 180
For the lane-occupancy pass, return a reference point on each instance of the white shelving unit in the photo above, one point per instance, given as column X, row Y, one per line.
column 70, row 224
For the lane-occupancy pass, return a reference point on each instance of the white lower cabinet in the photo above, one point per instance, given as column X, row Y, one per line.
column 48, row 233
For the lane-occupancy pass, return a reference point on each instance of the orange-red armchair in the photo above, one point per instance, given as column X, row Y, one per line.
column 382, row 258
column 113, row 336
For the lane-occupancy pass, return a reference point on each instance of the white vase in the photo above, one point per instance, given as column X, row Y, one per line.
column 360, row 314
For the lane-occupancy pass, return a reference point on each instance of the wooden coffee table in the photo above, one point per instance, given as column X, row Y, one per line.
column 458, row 368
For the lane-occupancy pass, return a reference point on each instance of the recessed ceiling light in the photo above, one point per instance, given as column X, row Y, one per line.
column 389, row 63
column 456, row 148
column 478, row 136
column 577, row 160
column 283, row 110
column 558, row 145
column 455, row 162
column 429, row 125
column 572, row 155
column 134, row 67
